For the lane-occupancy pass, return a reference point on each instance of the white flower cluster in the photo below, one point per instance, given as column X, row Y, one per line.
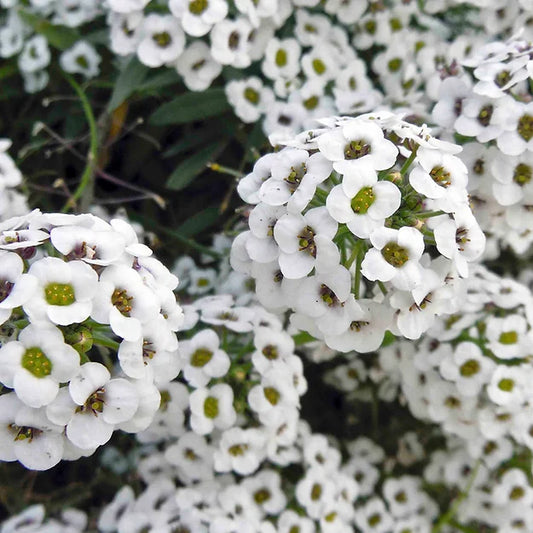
column 343, row 223
column 327, row 494
column 78, row 295
column 12, row 202
column 487, row 102
column 471, row 372
column 497, row 492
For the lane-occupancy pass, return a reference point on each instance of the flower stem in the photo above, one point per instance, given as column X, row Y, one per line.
column 408, row 162
column 448, row 516
column 85, row 186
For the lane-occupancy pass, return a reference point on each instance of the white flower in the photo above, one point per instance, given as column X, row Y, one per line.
column 357, row 141
column 37, row 363
column 249, row 98
column 82, row 58
column 305, row 240
column 15, row 287
column 198, row 16
column 395, row 257
column 282, row 59
column 315, row 491
column 240, row 450
column 506, row 386
column 28, row 436
column 35, row 54
column 295, row 176
column 508, row 337
column 124, row 302
column 229, row 42
column 212, row 408
column 64, row 291
column 202, row 359
column 361, row 202
column 92, row 405
column 163, row 40
column 197, row 67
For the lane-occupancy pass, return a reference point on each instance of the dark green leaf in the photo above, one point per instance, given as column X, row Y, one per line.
column 127, row 82
column 192, row 166
column 159, row 80
column 199, row 222
column 191, row 106
column 214, row 129
column 61, row 37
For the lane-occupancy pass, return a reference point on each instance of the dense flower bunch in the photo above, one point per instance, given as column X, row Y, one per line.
column 343, row 223
column 88, row 330
column 487, row 103
column 12, row 202
column 471, row 372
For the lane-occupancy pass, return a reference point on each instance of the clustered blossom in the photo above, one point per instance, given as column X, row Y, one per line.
column 359, row 227
column 487, row 102
column 12, row 202
column 92, row 318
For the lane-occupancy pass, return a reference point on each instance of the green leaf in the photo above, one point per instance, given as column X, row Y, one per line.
column 199, row 222
column 158, row 81
column 189, row 168
column 214, row 129
column 302, row 338
column 191, row 106
column 61, row 37
column 127, row 82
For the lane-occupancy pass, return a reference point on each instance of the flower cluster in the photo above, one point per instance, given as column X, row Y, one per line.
column 487, row 103
column 471, row 372
column 88, row 330
column 12, row 202
column 344, row 221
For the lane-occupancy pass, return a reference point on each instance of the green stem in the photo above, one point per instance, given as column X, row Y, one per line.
column 88, row 174
column 429, row 214
column 447, row 517
column 357, row 279
column 382, row 288
column 408, row 162
column 224, row 170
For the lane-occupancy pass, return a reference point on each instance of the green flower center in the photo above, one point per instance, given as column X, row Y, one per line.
column 296, row 176
column 211, row 407
column 95, row 403
column 363, row 200
column 395, row 254
column 281, row 58
column 502, row 78
column 489, row 447
column 270, row 352
column 311, row 103
column 356, row 149
column 122, row 301
column 272, row 395
column 395, row 24
column 479, row 166
column 508, row 337
column 328, row 296
column 197, row 7
column 165, row 400
column 251, row 95
column 59, row 294
column 506, row 384
column 237, row 449
column 400, row 497
column 36, row 362
column 316, row 492
column 82, row 62
column 309, row 28
column 395, row 64
column 201, row 357
column 24, row 432
column 330, row 517
column 440, row 176
column 162, row 39
column 374, row 520
column 469, row 368
column 525, row 127
column 202, row 282
column 370, row 27
column 453, row 402
column 358, row 325
column 5, row 289
column 485, row 114
column 522, row 174
column 234, row 40
column 517, row 493
column 198, row 65
column 318, row 66
column 306, row 241
column 261, row 496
